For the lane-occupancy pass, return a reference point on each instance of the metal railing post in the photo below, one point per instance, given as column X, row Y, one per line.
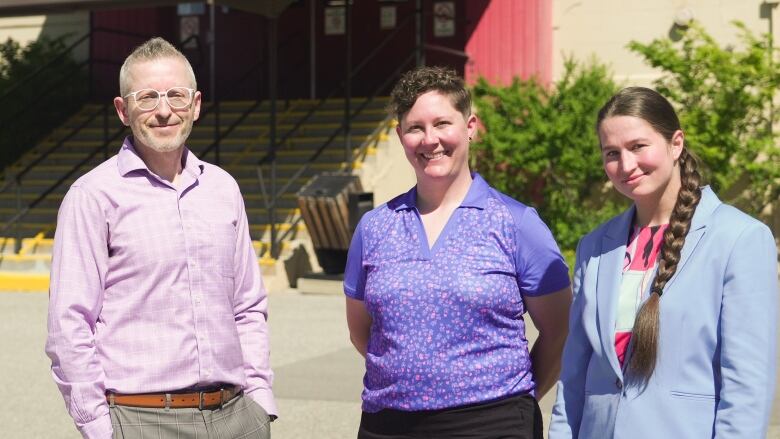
column 348, row 89
column 91, row 73
column 17, row 229
column 105, row 131
column 217, row 136
column 213, row 77
column 312, row 49
column 271, row 196
column 420, row 34
column 272, row 56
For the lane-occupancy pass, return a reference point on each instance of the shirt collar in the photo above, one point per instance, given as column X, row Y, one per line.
column 128, row 160
column 476, row 196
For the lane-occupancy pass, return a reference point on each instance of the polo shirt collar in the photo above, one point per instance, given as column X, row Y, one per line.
column 476, row 197
column 128, row 160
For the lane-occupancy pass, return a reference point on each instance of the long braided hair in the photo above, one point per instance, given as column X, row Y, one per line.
column 654, row 109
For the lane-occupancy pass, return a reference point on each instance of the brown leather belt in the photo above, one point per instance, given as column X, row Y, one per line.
column 200, row 400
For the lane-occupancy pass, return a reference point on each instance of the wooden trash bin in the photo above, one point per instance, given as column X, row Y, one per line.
column 325, row 207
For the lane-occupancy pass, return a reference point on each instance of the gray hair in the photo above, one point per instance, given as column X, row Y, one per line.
column 153, row 49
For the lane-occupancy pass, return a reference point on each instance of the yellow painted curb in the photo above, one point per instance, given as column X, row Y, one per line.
column 27, row 282
column 11, row 281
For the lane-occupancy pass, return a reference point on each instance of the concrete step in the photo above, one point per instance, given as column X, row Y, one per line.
column 255, row 215
column 196, row 144
column 284, row 156
column 259, row 231
column 243, row 131
column 227, row 118
column 283, row 170
column 297, row 104
column 33, row 187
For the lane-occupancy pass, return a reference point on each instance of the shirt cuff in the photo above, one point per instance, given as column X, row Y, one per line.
column 265, row 398
column 98, row 428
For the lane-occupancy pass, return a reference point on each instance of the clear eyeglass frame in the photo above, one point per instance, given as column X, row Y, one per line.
column 177, row 98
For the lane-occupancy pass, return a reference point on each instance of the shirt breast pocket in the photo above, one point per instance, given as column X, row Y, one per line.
column 220, row 243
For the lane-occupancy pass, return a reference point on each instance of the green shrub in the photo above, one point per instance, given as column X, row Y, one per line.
column 540, row 147
column 724, row 99
column 30, row 111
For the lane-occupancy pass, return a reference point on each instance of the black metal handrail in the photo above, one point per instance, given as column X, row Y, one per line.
column 270, row 156
column 373, row 54
column 34, row 101
column 362, row 150
column 16, row 181
column 18, row 177
column 230, row 129
column 339, row 129
column 239, row 120
column 361, row 153
column 23, row 211
column 67, row 51
column 219, row 134
column 41, row 69
column 62, row 78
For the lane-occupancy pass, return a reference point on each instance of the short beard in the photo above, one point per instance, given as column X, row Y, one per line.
column 166, row 145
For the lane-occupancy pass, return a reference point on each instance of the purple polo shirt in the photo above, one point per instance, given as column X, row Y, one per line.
column 447, row 325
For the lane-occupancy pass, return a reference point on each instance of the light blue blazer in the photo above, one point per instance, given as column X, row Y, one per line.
column 715, row 374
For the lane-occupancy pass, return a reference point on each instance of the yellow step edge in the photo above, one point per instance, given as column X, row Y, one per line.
column 30, row 244
column 26, row 258
column 266, row 261
column 26, row 282
column 39, row 282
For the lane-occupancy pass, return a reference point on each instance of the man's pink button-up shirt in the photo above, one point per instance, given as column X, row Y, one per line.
column 154, row 288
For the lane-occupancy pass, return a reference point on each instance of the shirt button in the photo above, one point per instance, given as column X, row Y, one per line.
column 618, row 383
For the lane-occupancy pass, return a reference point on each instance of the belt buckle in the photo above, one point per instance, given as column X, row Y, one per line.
column 202, row 398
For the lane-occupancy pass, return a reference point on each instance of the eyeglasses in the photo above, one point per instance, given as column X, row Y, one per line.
column 148, row 99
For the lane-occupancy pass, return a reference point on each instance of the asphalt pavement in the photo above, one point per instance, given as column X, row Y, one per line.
column 318, row 373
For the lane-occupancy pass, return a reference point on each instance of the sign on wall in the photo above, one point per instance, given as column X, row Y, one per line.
column 387, row 17
column 443, row 19
column 335, row 21
column 193, row 8
column 189, row 26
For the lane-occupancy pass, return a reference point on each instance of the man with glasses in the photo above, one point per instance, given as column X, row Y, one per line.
column 158, row 314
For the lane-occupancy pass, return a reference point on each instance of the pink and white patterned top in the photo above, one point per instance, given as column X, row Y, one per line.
column 639, row 267
column 154, row 288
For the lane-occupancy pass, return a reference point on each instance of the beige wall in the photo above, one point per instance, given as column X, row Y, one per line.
column 30, row 28
column 604, row 27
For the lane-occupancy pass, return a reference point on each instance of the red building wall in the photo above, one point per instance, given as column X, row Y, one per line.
column 114, row 34
column 502, row 38
column 509, row 38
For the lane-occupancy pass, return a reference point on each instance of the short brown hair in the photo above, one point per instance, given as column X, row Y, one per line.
column 424, row 79
column 150, row 50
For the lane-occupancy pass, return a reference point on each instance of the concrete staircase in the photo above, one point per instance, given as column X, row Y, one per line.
column 82, row 138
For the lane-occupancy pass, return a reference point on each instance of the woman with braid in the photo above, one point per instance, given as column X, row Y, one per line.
column 672, row 329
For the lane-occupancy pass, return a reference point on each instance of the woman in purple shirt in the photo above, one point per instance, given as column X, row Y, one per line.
column 437, row 282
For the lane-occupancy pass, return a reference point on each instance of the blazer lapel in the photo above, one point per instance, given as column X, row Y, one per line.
column 613, row 251
column 707, row 205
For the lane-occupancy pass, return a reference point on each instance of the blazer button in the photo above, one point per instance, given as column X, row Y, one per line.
column 618, row 383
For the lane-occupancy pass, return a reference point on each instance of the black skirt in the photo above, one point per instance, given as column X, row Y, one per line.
column 516, row 417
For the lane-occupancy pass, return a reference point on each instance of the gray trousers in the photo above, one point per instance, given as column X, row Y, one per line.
column 240, row 418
